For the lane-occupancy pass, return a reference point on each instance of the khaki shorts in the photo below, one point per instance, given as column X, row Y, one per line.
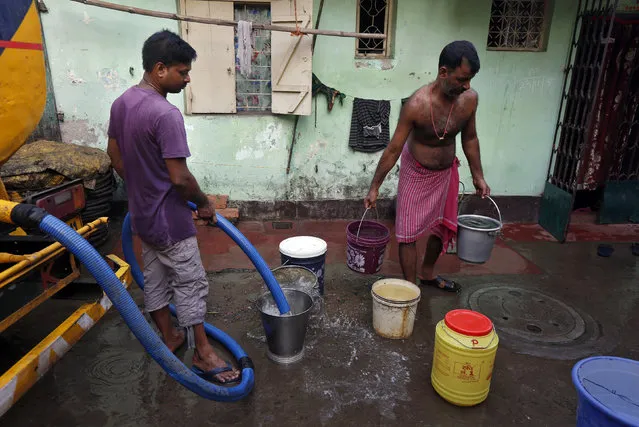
column 176, row 272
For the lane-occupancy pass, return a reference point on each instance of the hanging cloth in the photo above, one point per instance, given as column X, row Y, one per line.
column 245, row 46
column 369, row 125
column 330, row 93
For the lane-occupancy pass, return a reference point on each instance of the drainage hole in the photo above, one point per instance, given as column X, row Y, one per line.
column 505, row 317
column 554, row 324
column 533, row 328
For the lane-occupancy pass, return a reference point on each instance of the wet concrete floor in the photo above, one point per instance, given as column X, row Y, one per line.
column 349, row 375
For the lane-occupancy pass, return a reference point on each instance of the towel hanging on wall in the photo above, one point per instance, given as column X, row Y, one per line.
column 245, row 46
column 369, row 125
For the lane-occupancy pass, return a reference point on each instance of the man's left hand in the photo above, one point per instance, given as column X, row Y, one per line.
column 483, row 189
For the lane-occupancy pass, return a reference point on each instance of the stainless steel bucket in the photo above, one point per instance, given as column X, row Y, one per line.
column 285, row 334
column 476, row 236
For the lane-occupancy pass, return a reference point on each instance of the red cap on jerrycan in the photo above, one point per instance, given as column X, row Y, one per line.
column 468, row 322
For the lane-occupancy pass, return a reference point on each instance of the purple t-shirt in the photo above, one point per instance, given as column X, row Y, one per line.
column 149, row 129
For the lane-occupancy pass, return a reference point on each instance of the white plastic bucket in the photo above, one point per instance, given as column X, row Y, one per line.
column 394, row 306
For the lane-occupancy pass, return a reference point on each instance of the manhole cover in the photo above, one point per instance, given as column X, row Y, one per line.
column 528, row 315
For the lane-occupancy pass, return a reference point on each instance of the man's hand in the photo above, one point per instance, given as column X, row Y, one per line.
column 371, row 199
column 207, row 213
column 482, row 188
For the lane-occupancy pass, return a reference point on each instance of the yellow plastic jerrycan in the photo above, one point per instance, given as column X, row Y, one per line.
column 464, row 357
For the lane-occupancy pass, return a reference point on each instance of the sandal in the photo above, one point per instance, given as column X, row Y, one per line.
column 212, row 375
column 441, row 283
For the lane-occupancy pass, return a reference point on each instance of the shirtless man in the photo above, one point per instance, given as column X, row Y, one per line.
column 428, row 177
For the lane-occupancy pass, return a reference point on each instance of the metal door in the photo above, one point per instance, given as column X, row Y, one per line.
column 620, row 202
column 580, row 92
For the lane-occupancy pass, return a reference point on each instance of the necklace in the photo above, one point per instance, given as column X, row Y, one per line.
column 432, row 117
column 151, row 85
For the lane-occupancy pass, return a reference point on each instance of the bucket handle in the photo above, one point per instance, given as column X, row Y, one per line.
column 316, row 286
column 362, row 220
column 487, row 197
column 461, row 199
column 470, row 347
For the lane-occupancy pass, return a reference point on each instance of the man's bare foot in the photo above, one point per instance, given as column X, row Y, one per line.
column 210, row 361
column 175, row 340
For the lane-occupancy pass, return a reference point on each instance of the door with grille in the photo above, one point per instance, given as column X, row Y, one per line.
column 589, row 52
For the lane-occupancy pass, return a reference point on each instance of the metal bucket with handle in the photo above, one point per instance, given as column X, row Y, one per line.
column 476, row 235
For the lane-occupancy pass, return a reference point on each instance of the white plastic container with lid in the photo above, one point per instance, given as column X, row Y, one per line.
column 306, row 251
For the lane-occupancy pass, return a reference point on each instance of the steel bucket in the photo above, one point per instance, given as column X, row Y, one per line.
column 297, row 277
column 285, row 334
column 476, row 236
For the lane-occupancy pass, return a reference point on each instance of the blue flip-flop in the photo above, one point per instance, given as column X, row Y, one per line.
column 212, row 374
column 604, row 250
column 441, row 283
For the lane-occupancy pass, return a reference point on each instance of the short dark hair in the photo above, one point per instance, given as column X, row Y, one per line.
column 453, row 54
column 168, row 48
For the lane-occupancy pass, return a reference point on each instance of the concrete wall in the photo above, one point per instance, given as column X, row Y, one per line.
column 95, row 56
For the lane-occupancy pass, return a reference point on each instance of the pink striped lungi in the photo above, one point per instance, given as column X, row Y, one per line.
column 426, row 201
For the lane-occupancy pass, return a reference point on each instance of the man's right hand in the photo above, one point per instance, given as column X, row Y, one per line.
column 371, row 199
column 207, row 213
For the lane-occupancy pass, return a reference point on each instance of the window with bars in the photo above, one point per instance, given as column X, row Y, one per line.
column 280, row 76
column 253, row 92
column 374, row 17
column 519, row 25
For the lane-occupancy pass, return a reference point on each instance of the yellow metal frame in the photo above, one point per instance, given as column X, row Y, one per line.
column 27, row 371
column 39, row 259
column 15, row 382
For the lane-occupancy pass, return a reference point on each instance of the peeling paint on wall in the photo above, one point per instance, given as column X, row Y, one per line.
column 268, row 139
column 86, row 19
column 111, row 80
column 83, row 133
column 75, row 80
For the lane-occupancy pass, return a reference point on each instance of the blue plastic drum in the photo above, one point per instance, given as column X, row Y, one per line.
column 608, row 389
column 306, row 251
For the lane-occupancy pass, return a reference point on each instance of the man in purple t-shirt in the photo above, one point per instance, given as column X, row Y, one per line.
column 148, row 149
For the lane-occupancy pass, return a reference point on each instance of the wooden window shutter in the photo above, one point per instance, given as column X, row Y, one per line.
column 291, row 59
column 212, row 87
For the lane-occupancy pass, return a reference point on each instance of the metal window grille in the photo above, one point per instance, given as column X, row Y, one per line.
column 373, row 16
column 518, row 25
column 253, row 93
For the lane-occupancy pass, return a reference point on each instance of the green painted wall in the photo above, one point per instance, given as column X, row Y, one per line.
column 95, row 56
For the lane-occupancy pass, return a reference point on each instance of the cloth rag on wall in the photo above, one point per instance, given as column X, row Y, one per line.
column 330, row 93
column 369, row 125
column 245, row 46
